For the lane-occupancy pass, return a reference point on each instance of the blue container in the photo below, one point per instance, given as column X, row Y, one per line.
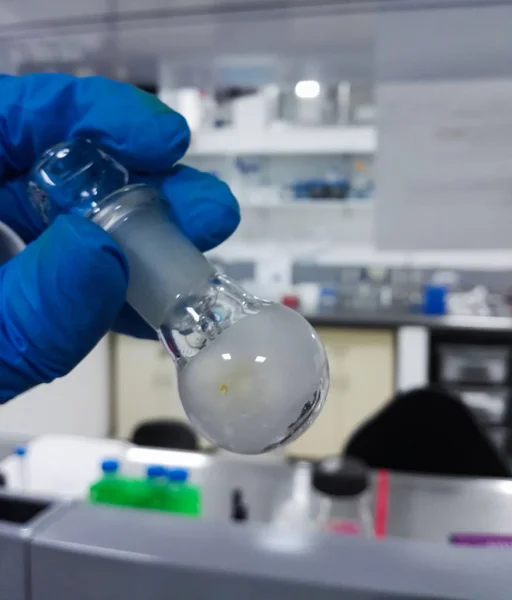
column 434, row 300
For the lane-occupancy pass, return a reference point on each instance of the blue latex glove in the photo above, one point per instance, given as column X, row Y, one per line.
column 67, row 288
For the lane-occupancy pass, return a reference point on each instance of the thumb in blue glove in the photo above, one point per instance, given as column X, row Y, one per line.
column 44, row 334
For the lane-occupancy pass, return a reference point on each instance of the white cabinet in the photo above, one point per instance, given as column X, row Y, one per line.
column 77, row 404
column 145, row 384
column 362, row 379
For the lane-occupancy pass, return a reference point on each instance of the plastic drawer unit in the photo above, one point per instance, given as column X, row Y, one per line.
column 490, row 405
column 474, row 364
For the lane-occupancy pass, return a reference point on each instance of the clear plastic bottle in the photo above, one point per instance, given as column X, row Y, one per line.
column 252, row 375
column 296, row 510
column 21, row 453
column 344, row 496
column 110, row 469
column 156, row 477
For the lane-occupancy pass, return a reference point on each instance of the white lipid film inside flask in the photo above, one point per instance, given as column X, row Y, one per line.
column 259, row 385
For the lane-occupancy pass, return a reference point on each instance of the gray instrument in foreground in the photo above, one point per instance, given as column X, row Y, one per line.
column 88, row 552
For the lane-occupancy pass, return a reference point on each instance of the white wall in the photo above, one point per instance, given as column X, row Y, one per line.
column 451, row 43
column 76, row 404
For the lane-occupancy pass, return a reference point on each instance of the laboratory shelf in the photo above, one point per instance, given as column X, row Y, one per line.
column 340, row 206
column 293, row 221
column 277, row 140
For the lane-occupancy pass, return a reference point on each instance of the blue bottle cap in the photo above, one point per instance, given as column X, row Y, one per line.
column 110, row 465
column 435, row 300
column 328, row 291
column 154, row 471
column 20, row 450
column 177, row 475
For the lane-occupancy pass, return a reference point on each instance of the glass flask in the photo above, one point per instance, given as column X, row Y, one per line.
column 252, row 374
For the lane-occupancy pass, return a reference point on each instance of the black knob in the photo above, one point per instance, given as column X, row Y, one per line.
column 239, row 510
column 338, row 476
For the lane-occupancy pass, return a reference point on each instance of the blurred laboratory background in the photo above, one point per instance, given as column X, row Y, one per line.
column 369, row 144
column 375, row 229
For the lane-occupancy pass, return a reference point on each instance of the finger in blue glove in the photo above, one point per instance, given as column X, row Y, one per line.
column 58, row 298
column 38, row 111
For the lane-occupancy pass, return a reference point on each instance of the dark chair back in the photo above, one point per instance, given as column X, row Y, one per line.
column 168, row 434
column 427, row 431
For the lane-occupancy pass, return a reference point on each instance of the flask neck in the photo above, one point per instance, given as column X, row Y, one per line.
column 166, row 270
column 199, row 319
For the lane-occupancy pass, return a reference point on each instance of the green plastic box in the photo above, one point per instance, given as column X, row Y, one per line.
column 179, row 498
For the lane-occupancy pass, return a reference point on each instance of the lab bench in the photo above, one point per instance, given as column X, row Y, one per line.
column 423, row 508
column 85, row 552
column 145, row 386
column 467, row 355
column 54, row 545
column 123, row 381
column 371, row 357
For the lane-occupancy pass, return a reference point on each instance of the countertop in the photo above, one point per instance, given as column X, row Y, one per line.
column 420, row 507
column 390, row 320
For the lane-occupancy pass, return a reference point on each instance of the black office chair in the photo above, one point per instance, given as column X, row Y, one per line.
column 165, row 433
column 427, row 431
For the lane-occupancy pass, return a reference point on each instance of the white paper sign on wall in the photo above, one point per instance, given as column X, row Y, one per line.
column 444, row 166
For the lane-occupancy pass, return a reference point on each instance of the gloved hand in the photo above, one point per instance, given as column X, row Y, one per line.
column 67, row 288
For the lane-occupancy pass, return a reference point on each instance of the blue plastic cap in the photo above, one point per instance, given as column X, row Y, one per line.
column 155, row 471
column 435, row 299
column 110, row 465
column 177, row 475
column 328, row 291
column 20, row 450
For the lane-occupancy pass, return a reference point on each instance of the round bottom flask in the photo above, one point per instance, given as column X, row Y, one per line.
column 252, row 375
column 260, row 383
